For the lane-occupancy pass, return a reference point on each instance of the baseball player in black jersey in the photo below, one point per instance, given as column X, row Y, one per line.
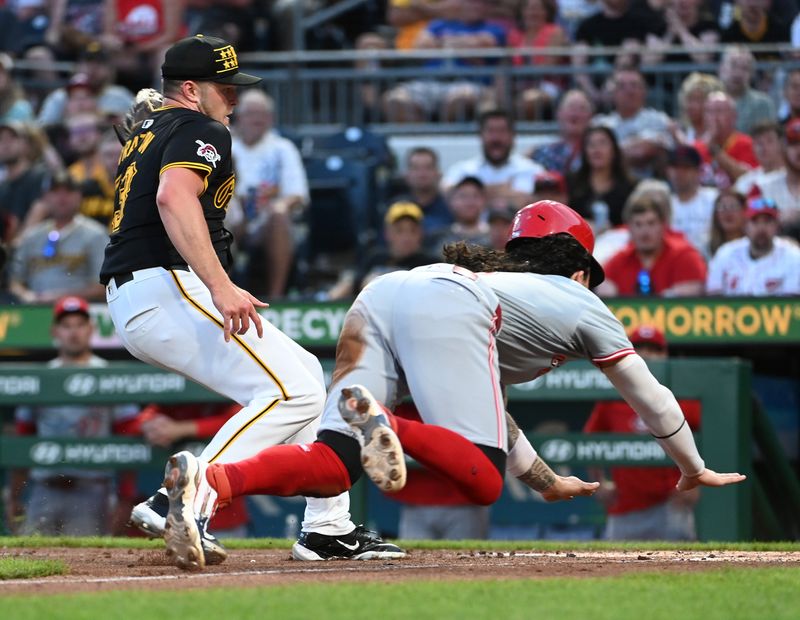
column 174, row 306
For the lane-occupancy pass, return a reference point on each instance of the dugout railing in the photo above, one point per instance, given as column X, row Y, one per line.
column 721, row 385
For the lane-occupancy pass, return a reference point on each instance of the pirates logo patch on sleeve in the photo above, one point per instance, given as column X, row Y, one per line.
column 208, row 152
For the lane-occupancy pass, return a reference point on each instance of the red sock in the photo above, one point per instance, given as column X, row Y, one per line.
column 299, row 469
column 456, row 457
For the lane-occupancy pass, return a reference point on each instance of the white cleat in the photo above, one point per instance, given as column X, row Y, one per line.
column 381, row 452
column 191, row 504
column 150, row 516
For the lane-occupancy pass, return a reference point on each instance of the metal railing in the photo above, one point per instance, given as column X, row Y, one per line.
column 317, row 92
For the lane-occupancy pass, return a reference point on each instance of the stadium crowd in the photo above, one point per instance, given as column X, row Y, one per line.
column 728, row 162
column 703, row 202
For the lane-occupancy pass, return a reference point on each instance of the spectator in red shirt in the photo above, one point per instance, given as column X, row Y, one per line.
column 642, row 502
column 656, row 261
column 727, row 154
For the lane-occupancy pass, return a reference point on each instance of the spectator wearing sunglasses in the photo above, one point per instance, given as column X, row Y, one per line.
column 62, row 254
column 656, row 261
column 761, row 263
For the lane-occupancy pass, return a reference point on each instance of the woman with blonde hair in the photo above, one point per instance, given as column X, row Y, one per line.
column 694, row 91
column 13, row 104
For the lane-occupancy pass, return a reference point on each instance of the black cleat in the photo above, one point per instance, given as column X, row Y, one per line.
column 360, row 544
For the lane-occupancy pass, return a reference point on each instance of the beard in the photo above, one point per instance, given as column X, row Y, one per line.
column 497, row 155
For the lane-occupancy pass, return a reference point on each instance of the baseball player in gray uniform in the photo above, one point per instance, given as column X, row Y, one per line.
column 452, row 335
column 174, row 306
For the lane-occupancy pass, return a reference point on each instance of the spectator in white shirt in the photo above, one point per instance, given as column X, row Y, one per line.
column 643, row 133
column 768, row 148
column 506, row 176
column 692, row 204
column 272, row 186
column 759, row 264
column 784, row 188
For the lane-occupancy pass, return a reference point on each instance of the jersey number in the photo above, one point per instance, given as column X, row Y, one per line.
column 123, row 188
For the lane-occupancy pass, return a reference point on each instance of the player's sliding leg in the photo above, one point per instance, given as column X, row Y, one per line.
column 385, row 436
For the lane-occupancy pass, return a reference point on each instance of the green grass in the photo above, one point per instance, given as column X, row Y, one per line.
column 743, row 593
column 24, row 568
column 483, row 545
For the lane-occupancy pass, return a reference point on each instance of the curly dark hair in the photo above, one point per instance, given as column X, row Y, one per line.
column 558, row 254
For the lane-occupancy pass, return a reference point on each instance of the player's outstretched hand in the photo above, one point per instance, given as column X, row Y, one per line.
column 568, row 488
column 709, row 478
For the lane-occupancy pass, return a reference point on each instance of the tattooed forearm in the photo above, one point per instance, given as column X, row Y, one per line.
column 539, row 477
column 513, row 431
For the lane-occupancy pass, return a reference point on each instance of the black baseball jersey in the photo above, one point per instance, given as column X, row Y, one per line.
column 171, row 137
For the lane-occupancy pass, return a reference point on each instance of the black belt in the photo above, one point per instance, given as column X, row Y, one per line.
column 124, row 278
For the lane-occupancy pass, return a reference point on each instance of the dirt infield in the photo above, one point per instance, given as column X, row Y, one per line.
column 92, row 570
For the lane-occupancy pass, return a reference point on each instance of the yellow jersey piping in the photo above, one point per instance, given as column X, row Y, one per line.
column 234, row 337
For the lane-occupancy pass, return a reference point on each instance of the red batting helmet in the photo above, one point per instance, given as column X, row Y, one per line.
column 548, row 217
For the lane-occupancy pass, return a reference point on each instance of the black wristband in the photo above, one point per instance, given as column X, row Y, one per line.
column 671, row 434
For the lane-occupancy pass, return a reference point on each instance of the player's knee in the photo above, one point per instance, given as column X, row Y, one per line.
column 490, row 486
column 347, row 449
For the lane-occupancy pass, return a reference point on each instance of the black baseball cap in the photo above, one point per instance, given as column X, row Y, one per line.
column 685, row 155
column 63, row 179
column 205, row 59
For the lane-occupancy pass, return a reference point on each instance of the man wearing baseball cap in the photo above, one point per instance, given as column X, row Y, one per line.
column 66, row 501
column 692, row 204
column 784, row 187
column 760, row 263
column 641, row 502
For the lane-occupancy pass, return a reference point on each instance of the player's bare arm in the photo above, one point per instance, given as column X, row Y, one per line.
column 183, row 220
column 539, row 476
column 659, row 410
